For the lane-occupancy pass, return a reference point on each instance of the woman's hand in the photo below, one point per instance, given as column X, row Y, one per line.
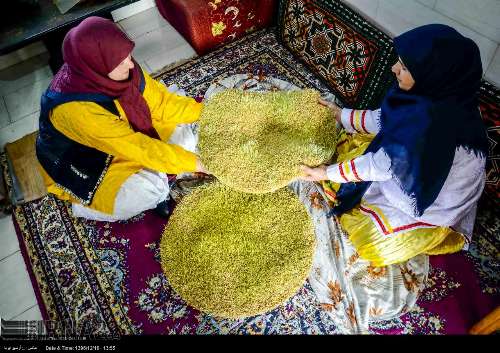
column 200, row 168
column 313, row 174
column 336, row 110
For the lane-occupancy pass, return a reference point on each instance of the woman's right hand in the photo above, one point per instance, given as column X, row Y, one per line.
column 336, row 110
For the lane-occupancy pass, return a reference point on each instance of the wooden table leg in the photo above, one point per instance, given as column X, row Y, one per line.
column 489, row 324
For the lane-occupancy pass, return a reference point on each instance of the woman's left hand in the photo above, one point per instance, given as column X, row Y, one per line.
column 200, row 168
column 313, row 174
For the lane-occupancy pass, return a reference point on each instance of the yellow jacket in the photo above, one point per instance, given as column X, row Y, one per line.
column 91, row 125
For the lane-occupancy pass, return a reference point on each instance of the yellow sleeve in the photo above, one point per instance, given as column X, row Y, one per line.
column 91, row 125
column 169, row 107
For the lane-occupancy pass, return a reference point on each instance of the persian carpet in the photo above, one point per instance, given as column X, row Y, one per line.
column 106, row 279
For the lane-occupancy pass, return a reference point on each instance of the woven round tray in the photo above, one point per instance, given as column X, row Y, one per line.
column 233, row 254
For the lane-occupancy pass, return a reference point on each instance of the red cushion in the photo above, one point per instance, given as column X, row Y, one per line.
column 209, row 24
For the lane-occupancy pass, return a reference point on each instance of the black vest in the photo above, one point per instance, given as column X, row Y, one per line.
column 75, row 168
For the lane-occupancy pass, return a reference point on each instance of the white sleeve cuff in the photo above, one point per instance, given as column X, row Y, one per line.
column 333, row 174
column 361, row 121
column 368, row 167
column 345, row 118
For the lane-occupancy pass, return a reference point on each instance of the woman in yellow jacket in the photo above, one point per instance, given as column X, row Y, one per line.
column 104, row 127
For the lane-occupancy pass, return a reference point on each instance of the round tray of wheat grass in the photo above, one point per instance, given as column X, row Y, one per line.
column 234, row 254
column 256, row 141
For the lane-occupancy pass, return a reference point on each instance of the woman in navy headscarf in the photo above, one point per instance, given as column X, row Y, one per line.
column 413, row 187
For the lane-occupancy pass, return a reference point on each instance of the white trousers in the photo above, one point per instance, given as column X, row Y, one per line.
column 143, row 190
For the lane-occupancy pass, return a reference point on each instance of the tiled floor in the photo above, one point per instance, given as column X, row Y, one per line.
column 157, row 45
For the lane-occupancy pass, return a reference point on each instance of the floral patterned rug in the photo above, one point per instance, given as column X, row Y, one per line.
column 106, row 279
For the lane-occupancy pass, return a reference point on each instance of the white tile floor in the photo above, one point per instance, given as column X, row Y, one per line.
column 157, row 45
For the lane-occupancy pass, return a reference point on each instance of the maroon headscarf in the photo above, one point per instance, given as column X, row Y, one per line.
column 93, row 49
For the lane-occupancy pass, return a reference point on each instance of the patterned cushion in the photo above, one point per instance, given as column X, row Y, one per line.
column 352, row 56
column 489, row 104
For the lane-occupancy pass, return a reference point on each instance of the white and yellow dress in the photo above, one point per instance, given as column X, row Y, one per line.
column 383, row 227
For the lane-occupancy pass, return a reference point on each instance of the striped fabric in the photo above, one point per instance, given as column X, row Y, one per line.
column 357, row 120
column 348, row 171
